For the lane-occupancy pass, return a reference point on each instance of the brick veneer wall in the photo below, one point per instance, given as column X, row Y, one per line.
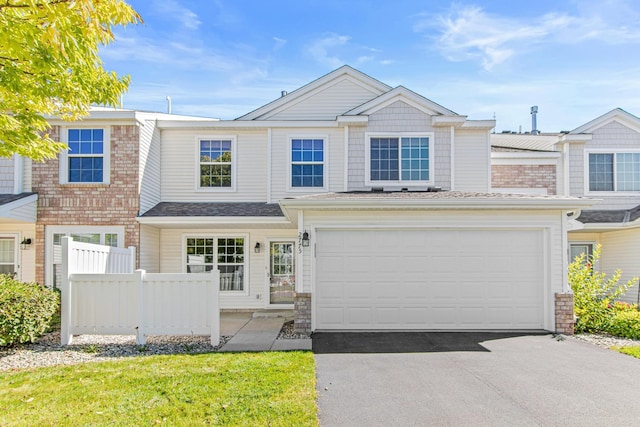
column 524, row 176
column 565, row 319
column 116, row 203
column 302, row 313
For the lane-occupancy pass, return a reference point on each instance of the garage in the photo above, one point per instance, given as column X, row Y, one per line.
column 429, row 279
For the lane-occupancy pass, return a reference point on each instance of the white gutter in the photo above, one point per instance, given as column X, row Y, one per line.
column 247, row 124
column 210, row 220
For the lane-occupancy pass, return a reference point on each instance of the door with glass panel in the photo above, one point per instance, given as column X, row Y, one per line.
column 282, row 277
column 8, row 263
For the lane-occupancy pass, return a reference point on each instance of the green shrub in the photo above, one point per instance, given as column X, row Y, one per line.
column 26, row 310
column 626, row 324
column 593, row 293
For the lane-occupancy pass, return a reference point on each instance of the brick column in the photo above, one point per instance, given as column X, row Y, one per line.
column 302, row 313
column 565, row 319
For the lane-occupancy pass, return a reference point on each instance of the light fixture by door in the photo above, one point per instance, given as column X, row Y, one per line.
column 26, row 243
column 256, row 248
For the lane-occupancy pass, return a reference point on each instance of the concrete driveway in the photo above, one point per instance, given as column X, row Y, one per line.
column 519, row 380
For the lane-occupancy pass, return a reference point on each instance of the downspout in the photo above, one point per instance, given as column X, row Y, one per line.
column 452, row 156
column 269, row 165
column 18, row 174
column 346, row 158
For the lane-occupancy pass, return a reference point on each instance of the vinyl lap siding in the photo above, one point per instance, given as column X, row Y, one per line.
column 149, row 175
column 281, row 166
column 327, row 103
column 620, row 250
column 472, row 160
column 180, row 169
column 150, row 249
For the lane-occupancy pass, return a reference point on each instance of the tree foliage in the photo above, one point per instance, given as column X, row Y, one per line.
column 49, row 65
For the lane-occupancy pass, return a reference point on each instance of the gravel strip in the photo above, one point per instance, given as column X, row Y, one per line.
column 288, row 332
column 47, row 351
column 606, row 341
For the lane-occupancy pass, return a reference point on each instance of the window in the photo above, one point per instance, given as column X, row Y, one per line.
column 614, row 171
column 215, row 163
column 577, row 249
column 7, row 255
column 307, row 163
column 86, row 155
column 400, row 159
column 227, row 254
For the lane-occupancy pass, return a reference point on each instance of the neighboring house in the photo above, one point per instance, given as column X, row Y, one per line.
column 599, row 160
column 359, row 205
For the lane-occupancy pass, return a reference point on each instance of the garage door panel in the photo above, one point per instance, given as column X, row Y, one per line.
column 429, row 279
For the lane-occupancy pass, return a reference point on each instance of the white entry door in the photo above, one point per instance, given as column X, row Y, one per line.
column 429, row 279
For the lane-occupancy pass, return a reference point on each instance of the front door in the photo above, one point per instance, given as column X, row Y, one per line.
column 282, row 277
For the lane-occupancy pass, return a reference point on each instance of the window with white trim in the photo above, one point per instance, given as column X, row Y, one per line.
column 399, row 159
column 579, row 248
column 86, row 156
column 614, row 171
column 227, row 254
column 307, row 162
column 216, row 167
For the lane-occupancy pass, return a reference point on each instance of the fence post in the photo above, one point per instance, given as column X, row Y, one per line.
column 141, row 338
column 132, row 259
column 214, row 304
column 69, row 266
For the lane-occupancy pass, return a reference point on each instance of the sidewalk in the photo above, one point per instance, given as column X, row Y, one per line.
column 258, row 331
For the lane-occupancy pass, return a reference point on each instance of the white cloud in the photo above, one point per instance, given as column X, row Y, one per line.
column 320, row 49
column 470, row 33
column 175, row 10
column 279, row 43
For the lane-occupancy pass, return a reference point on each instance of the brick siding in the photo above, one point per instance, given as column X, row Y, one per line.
column 302, row 313
column 524, row 176
column 565, row 319
column 113, row 204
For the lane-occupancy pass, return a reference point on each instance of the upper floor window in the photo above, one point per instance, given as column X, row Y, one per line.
column 216, row 163
column 401, row 159
column 307, row 162
column 87, row 160
column 614, row 171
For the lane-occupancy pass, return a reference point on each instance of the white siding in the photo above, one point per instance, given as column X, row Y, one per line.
column 399, row 117
column 27, row 257
column 472, row 161
column 149, row 248
column 6, row 175
column 327, row 102
column 179, row 165
column 25, row 212
column 171, row 261
column 281, row 165
column 149, row 175
column 621, row 250
column 616, row 137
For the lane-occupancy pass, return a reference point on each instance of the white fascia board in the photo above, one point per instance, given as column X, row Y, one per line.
column 455, row 121
column 241, row 124
column 616, row 114
column 575, row 138
column 479, row 124
column 610, row 226
column 352, row 120
column 527, row 155
column 462, row 204
column 532, row 158
column 405, row 95
column 210, row 220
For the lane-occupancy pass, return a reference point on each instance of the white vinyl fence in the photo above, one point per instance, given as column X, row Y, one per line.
column 109, row 298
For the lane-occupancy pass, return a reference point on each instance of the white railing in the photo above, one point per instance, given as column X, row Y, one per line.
column 133, row 303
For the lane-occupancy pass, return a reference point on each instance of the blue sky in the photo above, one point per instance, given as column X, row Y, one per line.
column 575, row 59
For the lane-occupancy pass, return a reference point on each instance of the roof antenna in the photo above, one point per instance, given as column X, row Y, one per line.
column 534, row 122
column 168, row 105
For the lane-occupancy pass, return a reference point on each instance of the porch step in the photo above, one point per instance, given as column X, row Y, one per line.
column 261, row 314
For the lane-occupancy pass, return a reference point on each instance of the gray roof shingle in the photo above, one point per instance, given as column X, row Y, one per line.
column 609, row 216
column 8, row 198
column 246, row 209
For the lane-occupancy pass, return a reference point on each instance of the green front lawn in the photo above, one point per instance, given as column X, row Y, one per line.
column 631, row 351
column 246, row 389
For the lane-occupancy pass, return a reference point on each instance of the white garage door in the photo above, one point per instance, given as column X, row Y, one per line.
column 429, row 279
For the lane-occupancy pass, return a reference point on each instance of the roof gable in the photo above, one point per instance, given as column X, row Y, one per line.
column 405, row 95
column 329, row 96
column 615, row 115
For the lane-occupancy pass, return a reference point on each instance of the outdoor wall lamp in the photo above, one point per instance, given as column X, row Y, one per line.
column 26, row 243
column 256, row 248
column 305, row 239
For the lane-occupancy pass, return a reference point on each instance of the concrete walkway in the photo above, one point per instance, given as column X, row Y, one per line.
column 258, row 331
